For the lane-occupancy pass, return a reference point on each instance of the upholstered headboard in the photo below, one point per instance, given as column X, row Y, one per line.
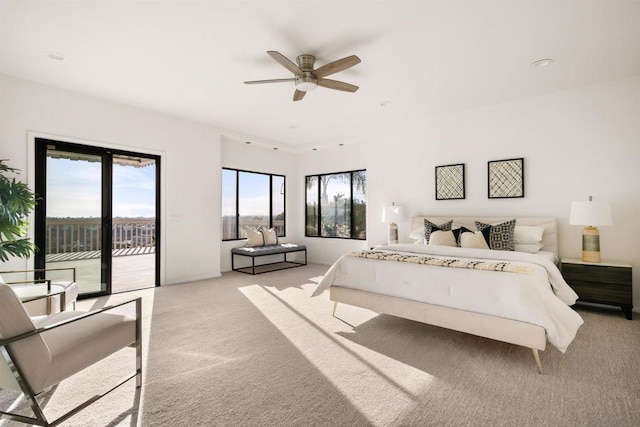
column 549, row 238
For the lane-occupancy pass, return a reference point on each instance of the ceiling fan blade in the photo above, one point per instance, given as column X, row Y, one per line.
column 256, row 82
column 298, row 95
column 285, row 62
column 335, row 84
column 336, row 66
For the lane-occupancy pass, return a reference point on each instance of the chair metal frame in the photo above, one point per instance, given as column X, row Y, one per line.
column 39, row 417
column 43, row 281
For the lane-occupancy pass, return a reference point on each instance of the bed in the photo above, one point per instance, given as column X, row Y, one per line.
column 510, row 296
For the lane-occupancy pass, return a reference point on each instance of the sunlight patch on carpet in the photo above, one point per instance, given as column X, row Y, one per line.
column 356, row 371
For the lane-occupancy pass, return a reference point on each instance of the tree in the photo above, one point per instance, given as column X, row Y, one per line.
column 16, row 202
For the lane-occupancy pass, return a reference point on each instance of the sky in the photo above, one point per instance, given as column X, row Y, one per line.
column 254, row 193
column 74, row 190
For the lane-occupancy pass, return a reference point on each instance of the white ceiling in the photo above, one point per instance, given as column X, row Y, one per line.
column 189, row 59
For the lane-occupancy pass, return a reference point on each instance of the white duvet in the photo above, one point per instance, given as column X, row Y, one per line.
column 541, row 297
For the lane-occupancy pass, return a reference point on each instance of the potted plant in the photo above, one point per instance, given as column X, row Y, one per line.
column 16, row 202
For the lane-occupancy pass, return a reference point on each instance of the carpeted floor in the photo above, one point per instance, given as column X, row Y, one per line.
column 258, row 350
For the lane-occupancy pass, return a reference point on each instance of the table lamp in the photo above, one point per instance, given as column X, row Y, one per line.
column 391, row 214
column 591, row 215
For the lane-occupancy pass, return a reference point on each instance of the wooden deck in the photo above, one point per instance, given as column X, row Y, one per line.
column 132, row 269
column 70, row 256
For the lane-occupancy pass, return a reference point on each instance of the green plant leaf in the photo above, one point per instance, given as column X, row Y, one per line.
column 16, row 202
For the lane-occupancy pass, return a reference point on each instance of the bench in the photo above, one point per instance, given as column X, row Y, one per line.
column 259, row 251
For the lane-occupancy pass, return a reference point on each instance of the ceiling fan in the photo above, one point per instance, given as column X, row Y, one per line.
column 306, row 78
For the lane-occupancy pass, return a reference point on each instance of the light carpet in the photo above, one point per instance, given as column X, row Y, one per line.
column 246, row 350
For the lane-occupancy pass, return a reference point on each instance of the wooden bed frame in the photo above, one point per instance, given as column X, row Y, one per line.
column 497, row 328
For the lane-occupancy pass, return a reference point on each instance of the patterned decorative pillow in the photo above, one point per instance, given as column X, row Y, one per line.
column 430, row 227
column 499, row 237
column 270, row 235
column 254, row 237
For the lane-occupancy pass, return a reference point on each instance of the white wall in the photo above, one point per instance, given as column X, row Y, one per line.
column 190, row 163
column 259, row 158
column 575, row 144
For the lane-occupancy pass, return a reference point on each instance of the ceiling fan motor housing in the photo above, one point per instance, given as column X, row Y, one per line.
column 308, row 82
column 306, row 62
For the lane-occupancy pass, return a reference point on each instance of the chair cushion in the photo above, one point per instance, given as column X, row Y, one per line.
column 39, row 307
column 31, row 354
column 80, row 344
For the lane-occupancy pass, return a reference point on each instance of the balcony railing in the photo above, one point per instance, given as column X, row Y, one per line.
column 84, row 234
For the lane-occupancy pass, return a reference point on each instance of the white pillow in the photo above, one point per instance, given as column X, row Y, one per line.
column 442, row 238
column 254, row 237
column 531, row 248
column 473, row 240
column 270, row 236
column 528, row 234
column 417, row 234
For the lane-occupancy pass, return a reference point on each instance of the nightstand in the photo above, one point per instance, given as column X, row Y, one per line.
column 602, row 283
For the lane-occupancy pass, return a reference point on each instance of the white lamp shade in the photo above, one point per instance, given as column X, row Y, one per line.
column 392, row 213
column 591, row 213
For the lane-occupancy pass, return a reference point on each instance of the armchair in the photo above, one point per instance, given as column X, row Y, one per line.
column 62, row 295
column 37, row 355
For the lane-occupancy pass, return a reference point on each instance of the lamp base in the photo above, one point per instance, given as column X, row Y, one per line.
column 393, row 233
column 591, row 245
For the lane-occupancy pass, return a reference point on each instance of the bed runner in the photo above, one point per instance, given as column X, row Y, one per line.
column 445, row 262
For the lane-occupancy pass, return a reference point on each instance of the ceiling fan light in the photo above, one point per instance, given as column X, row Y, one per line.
column 306, row 83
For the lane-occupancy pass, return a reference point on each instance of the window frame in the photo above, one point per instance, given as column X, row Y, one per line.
column 319, row 198
column 237, row 201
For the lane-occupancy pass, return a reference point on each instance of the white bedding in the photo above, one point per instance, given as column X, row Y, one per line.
column 541, row 298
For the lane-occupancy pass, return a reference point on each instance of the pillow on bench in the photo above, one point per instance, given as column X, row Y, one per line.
column 254, row 237
column 270, row 236
column 261, row 237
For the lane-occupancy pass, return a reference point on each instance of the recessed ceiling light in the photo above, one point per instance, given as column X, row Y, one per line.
column 340, row 145
column 542, row 63
column 275, row 148
column 293, row 127
column 314, row 149
column 384, row 104
column 56, row 56
column 248, row 142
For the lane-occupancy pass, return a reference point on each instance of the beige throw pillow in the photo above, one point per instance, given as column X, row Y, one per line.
column 270, row 236
column 473, row 240
column 442, row 238
column 254, row 237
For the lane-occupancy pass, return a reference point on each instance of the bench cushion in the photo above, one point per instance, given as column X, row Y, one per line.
column 254, row 251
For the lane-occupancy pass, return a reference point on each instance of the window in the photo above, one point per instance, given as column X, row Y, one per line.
column 336, row 205
column 251, row 199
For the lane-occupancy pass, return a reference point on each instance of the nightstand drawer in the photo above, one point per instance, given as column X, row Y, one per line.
column 597, row 273
column 599, row 292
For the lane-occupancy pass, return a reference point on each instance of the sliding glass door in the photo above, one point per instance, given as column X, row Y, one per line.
column 134, row 225
column 97, row 210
